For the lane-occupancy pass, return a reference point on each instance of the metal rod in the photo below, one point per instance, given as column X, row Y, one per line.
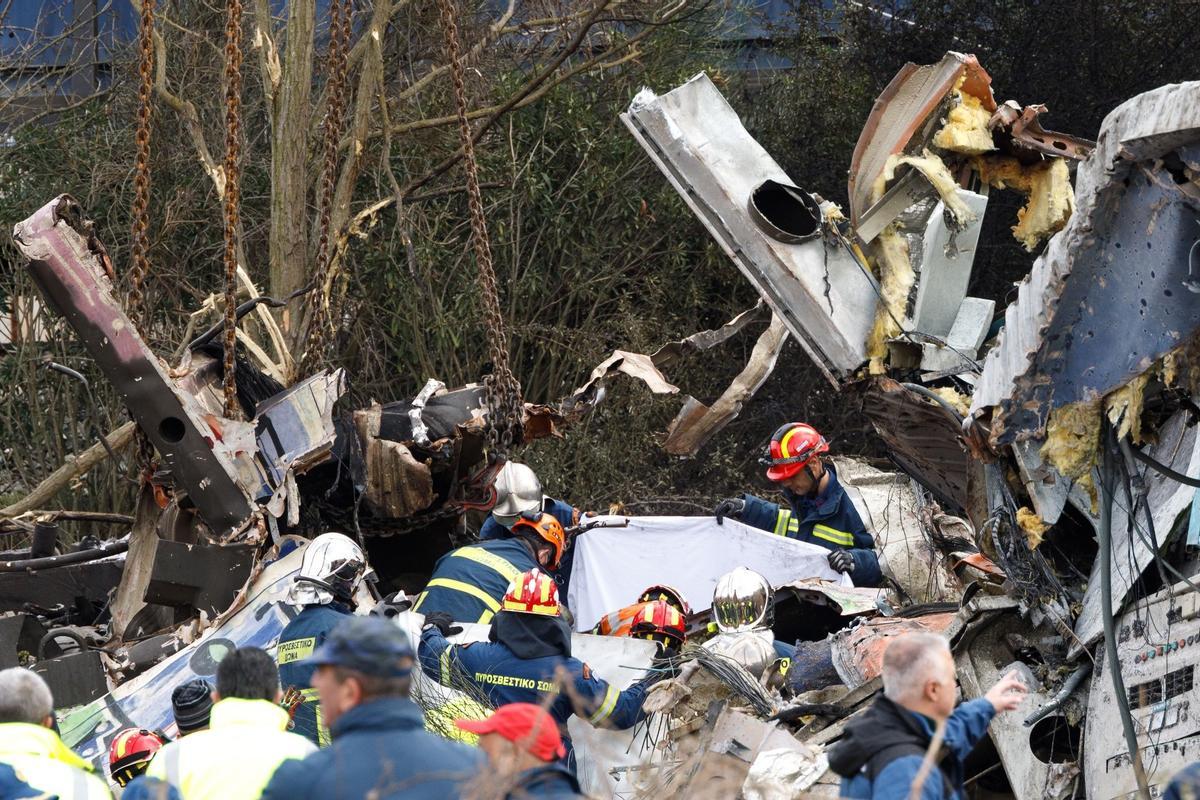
column 1110, row 635
column 83, row 556
column 1070, row 685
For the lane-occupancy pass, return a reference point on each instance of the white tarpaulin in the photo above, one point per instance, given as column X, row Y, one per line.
column 613, row 565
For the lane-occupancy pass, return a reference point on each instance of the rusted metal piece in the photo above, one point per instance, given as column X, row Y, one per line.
column 1133, row 234
column 858, row 651
column 922, row 438
column 1027, row 134
column 908, row 107
column 71, row 278
column 397, row 484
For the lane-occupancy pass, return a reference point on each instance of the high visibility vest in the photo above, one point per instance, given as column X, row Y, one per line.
column 469, row 583
column 235, row 758
column 42, row 760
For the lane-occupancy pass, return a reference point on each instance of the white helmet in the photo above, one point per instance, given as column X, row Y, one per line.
column 332, row 568
column 517, row 490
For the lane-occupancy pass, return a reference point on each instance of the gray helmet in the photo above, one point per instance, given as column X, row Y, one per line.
column 517, row 490
column 741, row 601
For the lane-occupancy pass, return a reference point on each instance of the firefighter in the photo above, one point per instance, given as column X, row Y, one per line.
column 620, row 623
column 331, row 570
column 818, row 512
column 529, row 649
column 469, row 583
column 130, row 753
column 519, row 491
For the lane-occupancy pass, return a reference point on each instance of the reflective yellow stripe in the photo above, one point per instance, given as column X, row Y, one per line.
column 445, row 664
column 420, row 599
column 465, row 588
column 606, row 708
column 295, row 650
column 489, row 560
column 781, row 522
column 833, row 535
column 486, row 617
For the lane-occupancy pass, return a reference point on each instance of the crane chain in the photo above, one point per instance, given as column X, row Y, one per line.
column 139, row 236
column 233, row 102
column 320, row 331
column 502, row 390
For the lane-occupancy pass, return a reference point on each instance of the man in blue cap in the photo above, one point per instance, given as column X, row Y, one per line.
column 380, row 748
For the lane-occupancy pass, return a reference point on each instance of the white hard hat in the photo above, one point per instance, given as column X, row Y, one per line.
column 332, row 568
column 517, row 490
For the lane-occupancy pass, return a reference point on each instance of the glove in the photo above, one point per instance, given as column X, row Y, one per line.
column 841, row 561
column 442, row 621
column 392, row 606
column 729, row 507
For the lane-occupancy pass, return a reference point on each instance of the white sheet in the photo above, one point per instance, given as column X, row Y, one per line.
column 613, row 565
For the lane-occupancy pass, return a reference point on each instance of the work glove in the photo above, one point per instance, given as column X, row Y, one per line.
column 841, row 561
column 729, row 507
column 392, row 606
column 442, row 621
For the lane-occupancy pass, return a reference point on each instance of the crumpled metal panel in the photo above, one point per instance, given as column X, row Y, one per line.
column 824, row 297
column 858, row 651
column 69, row 267
column 908, row 105
column 922, row 438
column 1131, row 237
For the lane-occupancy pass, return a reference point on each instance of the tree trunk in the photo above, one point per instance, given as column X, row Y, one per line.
column 289, row 152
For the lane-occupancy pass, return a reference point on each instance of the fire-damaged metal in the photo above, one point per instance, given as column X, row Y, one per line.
column 73, row 281
column 817, row 287
column 1133, row 235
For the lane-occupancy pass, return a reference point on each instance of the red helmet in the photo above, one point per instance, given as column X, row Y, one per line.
column 668, row 594
column 545, row 527
column 130, row 753
column 661, row 622
column 793, row 448
column 532, row 592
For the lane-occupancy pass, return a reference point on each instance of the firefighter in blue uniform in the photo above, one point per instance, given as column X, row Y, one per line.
column 518, row 491
column 469, row 583
column 529, row 648
column 818, row 512
column 331, row 570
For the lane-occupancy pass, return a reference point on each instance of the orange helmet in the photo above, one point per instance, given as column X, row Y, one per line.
column 130, row 753
column 532, row 592
column 792, row 448
column 668, row 594
column 545, row 527
column 661, row 622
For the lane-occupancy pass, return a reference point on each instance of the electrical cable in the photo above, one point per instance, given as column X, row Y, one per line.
column 1110, row 636
column 1160, row 467
column 935, row 397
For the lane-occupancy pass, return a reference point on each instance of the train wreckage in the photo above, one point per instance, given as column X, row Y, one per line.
column 1044, row 519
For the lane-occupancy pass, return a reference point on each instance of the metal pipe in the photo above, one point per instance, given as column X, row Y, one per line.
column 1110, row 636
column 1069, row 685
column 82, row 557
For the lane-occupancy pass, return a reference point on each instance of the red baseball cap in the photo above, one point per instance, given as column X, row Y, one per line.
column 523, row 723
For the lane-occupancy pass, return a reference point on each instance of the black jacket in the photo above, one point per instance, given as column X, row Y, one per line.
column 889, row 737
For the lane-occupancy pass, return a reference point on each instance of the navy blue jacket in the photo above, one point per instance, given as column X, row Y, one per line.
column 505, row 678
column 1185, row 785
column 13, row 787
column 297, row 641
column 551, row 782
column 873, row 735
column 829, row 520
column 469, row 583
column 568, row 516
column 380, row 749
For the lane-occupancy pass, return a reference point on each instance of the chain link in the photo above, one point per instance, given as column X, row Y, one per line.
column 502, row 390
column 233, row 146
column 320, row 330
column 139, row 237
